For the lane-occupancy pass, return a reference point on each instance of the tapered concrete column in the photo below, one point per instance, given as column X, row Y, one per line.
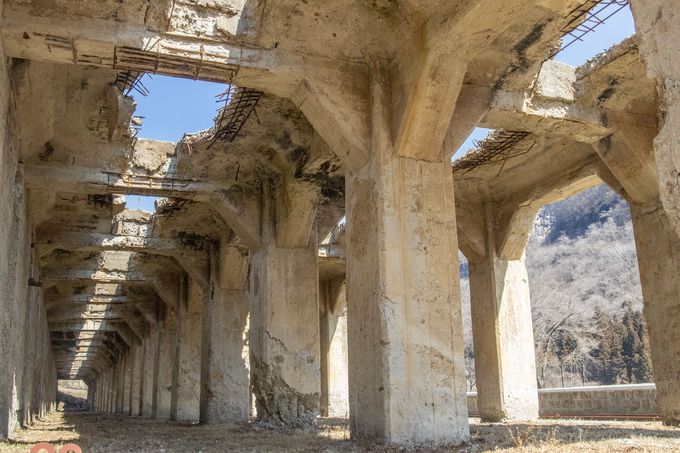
column 166, row 365
column 658, row 252
column 502, row 329
column 406, row 364
column 225, row 322
column 284, row 327
column 189, row 334
column 149, row 369
column 137, row 380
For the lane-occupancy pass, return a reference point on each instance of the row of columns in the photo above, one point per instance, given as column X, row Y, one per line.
column 405, row 344
column 174, row 373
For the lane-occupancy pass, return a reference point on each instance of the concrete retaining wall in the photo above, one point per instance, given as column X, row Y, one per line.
column 605, row 400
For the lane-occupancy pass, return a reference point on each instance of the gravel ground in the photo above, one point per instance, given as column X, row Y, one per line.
column 95, row 432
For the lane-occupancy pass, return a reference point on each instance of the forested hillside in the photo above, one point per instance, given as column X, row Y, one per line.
column 585, row 294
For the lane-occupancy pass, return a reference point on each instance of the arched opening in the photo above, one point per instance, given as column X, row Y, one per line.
column 585, row 293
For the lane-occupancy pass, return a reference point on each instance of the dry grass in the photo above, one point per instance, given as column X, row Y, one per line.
column 110, row 433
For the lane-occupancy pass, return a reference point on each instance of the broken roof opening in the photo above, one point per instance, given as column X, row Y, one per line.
column 472, row 142
column 141, row 203
column 175, row 106
column 596, row 27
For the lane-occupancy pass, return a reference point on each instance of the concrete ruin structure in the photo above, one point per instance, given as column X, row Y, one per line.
column 235, row 298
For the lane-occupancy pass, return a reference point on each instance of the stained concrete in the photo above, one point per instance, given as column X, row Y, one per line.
column 367, row 98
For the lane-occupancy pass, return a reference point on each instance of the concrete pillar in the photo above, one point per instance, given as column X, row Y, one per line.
column 98, row 395
column 137, row 380
column 120, row 395
column 406, row 363
column 114, row 389
column 225, row 321
column 150, row 368
column 334, row 365
column 505, row 362
column 284, row 327
column 658, row 27
column 189, row 325
column 166, row 364
column 103, row 407
column 503, row 340
column 658, row 252
column 107, row 403
column 127, row 380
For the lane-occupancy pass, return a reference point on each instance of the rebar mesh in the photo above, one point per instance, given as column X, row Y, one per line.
column 586, row 18
column 239, row 105
column 500, row 146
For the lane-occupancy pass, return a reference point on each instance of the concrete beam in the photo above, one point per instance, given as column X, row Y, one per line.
column 121, row 45
column 629, row 156
column 120, row 328
column 194, row 263
column 472, row 105
column 338, row 114
column 241, row 215
column 517, row 217
column 50, row 277
column 79, row 299
column 83, row 326
column 521, row 112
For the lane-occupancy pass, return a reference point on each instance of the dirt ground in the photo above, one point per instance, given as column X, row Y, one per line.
column 95, row 432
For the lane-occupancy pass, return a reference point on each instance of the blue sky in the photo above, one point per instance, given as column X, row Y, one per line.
column 176, row 106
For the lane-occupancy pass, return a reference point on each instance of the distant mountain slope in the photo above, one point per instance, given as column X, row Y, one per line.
column 573, row 216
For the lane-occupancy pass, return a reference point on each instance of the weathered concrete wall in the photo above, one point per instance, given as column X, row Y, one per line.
column 613, row 400
column 27, row 376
